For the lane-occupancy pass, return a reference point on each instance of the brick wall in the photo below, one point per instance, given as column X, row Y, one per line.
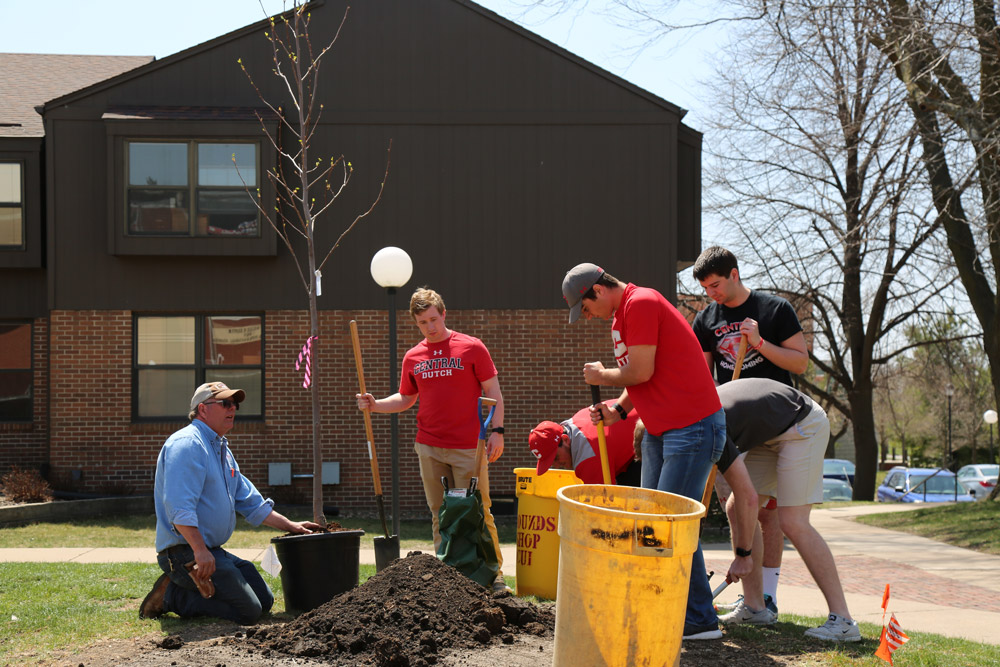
column 539, row 356
column 25, row 444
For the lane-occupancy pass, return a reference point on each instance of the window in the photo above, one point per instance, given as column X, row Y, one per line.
column 191, row 188
column 176, row 353
column 11, row 205
column 16, row 384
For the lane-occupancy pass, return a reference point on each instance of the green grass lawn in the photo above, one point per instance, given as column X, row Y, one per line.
column 49, row 607
column 53, row 606
column 140, row 531
column 970, row 525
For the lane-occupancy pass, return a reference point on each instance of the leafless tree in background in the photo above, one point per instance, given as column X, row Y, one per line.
column 814, row 167
column 946, row 53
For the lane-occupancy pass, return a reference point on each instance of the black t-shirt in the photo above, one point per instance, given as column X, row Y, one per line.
column 718, row 331
column 758, row 410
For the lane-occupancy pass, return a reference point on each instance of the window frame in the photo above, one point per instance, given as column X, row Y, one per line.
column 30, row 369
column 28, row 153
column 193, row 189
column 199, row 366
column 120, row 132
column 19, row 205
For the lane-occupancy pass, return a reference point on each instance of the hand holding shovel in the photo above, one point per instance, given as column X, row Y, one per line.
column 386, row 548
column 737, row 368
column 595, row 395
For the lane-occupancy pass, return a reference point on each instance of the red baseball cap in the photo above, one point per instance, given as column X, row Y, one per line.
column 544, row 441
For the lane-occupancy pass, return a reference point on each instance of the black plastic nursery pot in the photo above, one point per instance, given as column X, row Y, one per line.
column 317, row 567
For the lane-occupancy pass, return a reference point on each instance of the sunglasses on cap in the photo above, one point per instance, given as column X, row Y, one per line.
column 226, row 403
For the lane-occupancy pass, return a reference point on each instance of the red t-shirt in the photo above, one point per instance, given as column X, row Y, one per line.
column 681, row 390
column 617, row 437
column 448, row 377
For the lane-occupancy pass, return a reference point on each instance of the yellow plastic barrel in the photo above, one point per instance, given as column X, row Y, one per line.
column 537, row 537
column 624, row 570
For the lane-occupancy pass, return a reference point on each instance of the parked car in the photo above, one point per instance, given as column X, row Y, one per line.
column 919, row 485
column 835, row 490
column 839, row 469
column 979, row 478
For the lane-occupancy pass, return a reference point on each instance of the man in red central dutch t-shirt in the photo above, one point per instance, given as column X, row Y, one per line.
column 663, row 375
column 448, row 371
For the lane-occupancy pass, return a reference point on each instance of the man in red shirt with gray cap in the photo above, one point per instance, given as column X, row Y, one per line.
column 663, row 374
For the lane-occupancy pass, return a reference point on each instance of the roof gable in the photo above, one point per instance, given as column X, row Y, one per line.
column 392, row 28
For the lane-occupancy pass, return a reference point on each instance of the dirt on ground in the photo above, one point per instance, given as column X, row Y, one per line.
column 414, row 613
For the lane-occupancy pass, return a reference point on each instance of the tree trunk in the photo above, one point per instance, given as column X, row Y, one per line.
column 865, row 445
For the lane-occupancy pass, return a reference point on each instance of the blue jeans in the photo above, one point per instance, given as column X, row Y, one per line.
column 679, row 461
column 241, row 594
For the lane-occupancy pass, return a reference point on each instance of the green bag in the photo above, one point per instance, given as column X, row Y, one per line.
column 466, row 544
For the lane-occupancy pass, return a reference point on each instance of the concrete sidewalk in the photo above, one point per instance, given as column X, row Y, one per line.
column 934, row 587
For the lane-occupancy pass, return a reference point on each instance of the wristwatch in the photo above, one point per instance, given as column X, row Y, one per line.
column 498, row 429
column 742, row 553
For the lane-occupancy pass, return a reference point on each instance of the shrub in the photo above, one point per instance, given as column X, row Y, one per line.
column 25, row 486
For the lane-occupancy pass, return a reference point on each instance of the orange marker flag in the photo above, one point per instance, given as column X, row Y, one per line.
column 892, row 638
column 892, row 635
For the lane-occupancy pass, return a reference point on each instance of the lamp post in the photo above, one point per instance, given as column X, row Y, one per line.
column 391, row 268
column 949, row 391
column 990, row 417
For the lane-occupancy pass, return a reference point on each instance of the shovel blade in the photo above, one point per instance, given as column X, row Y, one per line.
column 386, row 551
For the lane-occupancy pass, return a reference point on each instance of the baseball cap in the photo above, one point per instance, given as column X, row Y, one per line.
column 218, row 390
column 578, row 280
column 544, row 441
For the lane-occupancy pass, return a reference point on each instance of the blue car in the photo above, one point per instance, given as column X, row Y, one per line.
column 839, row 469
column 920, row 485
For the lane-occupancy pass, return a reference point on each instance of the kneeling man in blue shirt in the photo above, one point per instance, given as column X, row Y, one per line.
column 198, row 490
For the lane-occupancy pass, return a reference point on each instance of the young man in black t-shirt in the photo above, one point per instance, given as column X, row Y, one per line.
column 776, row 348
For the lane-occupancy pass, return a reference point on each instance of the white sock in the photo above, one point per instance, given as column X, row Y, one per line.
column 771, row 582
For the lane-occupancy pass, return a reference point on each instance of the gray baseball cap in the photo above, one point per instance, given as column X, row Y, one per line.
column 577, row 282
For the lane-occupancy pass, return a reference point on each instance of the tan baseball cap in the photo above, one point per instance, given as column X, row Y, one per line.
column 217, row 390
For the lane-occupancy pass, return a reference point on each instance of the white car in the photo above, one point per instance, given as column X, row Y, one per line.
column 978, row 479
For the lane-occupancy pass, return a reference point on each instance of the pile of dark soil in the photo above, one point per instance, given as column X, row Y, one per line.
column 405, row 616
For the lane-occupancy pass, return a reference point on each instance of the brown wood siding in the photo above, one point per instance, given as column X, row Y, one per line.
column 511, row 162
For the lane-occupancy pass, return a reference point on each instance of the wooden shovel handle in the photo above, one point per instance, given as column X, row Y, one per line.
column 373, row 457
column 706, row 496
column 742, row 352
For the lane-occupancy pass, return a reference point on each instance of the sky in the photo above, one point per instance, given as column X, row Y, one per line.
column 161, row 28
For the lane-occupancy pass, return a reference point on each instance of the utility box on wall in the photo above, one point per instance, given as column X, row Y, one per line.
column 280, row 474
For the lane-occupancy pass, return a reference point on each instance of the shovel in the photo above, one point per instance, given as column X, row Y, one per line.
column 737, row 368
column 602, row 444
column 386, row 548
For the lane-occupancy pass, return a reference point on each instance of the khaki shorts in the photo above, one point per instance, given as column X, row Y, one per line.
column 790, row 466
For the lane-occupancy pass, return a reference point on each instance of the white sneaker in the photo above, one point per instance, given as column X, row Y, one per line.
column 701, row 633
column 744, row 614
column 836, row 629
column 729, row 606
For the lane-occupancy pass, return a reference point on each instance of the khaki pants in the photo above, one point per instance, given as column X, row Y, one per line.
column 457, row 466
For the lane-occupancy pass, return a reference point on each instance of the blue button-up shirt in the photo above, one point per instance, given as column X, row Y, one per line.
column 198, row 483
